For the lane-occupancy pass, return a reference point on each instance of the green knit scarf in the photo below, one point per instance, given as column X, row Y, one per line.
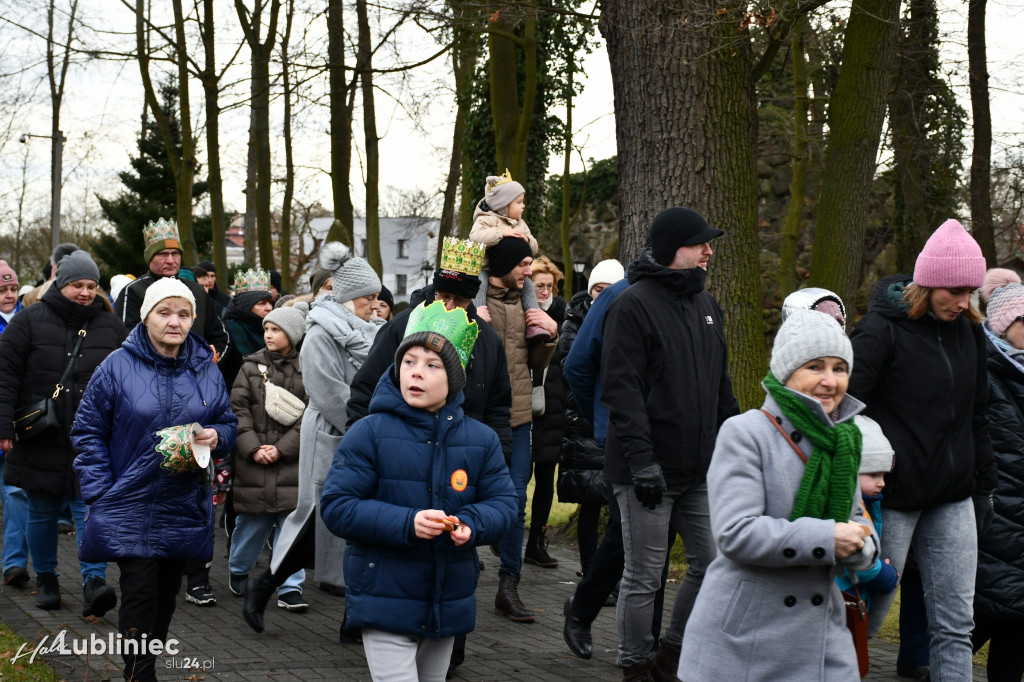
column 830, row 478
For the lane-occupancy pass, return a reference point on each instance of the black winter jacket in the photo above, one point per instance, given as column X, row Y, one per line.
column 999, row 594
column 547, row 429
column 488, row 391
column 207, row 323
column 34, row 351
column 925, row 382
column 664, row 376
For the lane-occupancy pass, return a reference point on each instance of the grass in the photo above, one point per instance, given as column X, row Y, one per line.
column 561, row 517
column 21, row 669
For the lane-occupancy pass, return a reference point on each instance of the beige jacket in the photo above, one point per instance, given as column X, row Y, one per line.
column 487, row 227
column 508, row 319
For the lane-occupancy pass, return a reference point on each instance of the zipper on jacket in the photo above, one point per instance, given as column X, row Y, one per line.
column 952, row 407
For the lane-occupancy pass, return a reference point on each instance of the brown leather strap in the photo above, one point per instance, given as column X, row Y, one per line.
column 785, row 435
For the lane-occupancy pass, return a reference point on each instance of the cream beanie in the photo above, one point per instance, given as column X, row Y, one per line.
column 165, row 287
column 606, row 272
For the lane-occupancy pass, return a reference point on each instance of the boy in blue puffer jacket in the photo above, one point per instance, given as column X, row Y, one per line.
column 875, row 462
column 414, row 488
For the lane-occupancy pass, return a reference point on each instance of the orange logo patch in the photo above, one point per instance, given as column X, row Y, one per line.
column 460, row 479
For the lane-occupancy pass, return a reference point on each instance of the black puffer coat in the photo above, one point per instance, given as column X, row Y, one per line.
column 924, row 381
column 34, row 351
column 581, row 461
column 999, row 594
column 547, row 429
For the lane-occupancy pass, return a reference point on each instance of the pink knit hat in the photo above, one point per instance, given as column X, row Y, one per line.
column 7, row 275
column 995, row 278
column 950, row 259
column 1005, row 305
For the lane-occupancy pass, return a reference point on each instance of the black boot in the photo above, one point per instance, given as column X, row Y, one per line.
column 666, row 662
column 507, row 602
column 537, row 549
column 577, row 633
column 641, row 672
column 258, row 591
column 99, row 597
column 47, row 591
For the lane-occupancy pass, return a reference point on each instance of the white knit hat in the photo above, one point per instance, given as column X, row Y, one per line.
column 352, row 277
column 606, row 272
column 804, row 336
column 165, row 287
column 877, row 454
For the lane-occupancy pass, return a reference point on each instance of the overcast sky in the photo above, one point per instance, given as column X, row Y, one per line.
column 103, row 103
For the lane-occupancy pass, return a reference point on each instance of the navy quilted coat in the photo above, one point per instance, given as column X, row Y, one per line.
column 136, row 509
column 390, row 465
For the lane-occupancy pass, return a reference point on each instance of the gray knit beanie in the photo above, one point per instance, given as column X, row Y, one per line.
column 804, row 336
column 291, row 320
column 877, row 454
column 75, row 266
column 500, row 191
column 352, row 276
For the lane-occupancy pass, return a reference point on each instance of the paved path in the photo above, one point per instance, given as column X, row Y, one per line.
column 305, row 646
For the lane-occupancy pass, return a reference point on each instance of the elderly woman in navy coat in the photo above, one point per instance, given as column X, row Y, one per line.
column 141, row 515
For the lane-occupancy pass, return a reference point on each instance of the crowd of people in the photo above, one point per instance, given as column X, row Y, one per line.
column 381, row 447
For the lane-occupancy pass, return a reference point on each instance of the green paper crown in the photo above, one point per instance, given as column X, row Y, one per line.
column 252, row 280
column 463, row 256
column 453, row 325
column 160, row 230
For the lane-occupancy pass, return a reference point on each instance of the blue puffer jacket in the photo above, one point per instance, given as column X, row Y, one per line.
column 136, row 509
column 392, row 464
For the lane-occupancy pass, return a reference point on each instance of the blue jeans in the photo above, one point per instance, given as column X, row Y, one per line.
column 645, row 535
column 15, row 501
column 251, row 533
column 43, row 512
column 945, row 542
column 519, row 468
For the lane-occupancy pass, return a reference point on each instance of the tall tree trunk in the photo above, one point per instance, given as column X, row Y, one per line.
column 981, row 156
column 567, row 260
column 211, row 89
column 512, row 118
column 371, row 140
column 261, row 51
column 855, row 117
column 341, row 127
column 686, row 130
column 249, row 219
column 913, row 220
column 798, row 183
column 56, row 97
column 464, row 57
column 289, row 164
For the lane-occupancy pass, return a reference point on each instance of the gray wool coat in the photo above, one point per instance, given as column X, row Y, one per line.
column 328, row 369
column 769, row 608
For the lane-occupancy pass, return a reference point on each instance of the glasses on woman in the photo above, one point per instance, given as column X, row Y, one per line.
column 544, row 287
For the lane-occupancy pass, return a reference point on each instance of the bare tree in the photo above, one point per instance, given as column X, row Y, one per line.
column 285, row 237
column 981, row 156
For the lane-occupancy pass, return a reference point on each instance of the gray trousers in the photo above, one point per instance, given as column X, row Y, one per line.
column 402, row 658
column 645, row 534
column 945, row 542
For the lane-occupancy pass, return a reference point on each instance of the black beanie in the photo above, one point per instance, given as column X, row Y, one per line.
column 506, row 254
column 675, row 227
column 456, row 283
column 386, row 296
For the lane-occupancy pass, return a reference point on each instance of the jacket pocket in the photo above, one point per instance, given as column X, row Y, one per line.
column 740, row 604
column 325, row 446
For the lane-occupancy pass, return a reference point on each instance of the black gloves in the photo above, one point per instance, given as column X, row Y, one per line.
column 984, row 510
column 649, row 485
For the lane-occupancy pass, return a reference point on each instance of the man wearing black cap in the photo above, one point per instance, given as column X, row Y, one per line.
column 665, row 381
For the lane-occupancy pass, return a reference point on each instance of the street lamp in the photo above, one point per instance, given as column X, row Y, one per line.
column 56, row 157
column 578, row 284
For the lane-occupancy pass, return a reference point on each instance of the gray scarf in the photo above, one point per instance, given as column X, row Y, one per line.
column 353, row 335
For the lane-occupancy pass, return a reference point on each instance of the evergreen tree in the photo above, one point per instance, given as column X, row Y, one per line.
column 148, row 194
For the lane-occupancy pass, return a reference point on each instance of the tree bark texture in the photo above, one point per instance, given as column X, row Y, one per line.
column 285, row 237
column 981, row 156
column 686, row 130
column 341, row 127
column 370, row 139
column 465, row 51
column 214, row 179
column 512, row 117
column 855, row 117
column 801, row 150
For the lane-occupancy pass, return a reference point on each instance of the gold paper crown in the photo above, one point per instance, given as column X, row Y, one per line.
column 502, row 179
column 160, row 230
column 463, row 256
column 252, row 280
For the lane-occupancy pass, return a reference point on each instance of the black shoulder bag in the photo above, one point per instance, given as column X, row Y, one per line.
column 41, row 416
